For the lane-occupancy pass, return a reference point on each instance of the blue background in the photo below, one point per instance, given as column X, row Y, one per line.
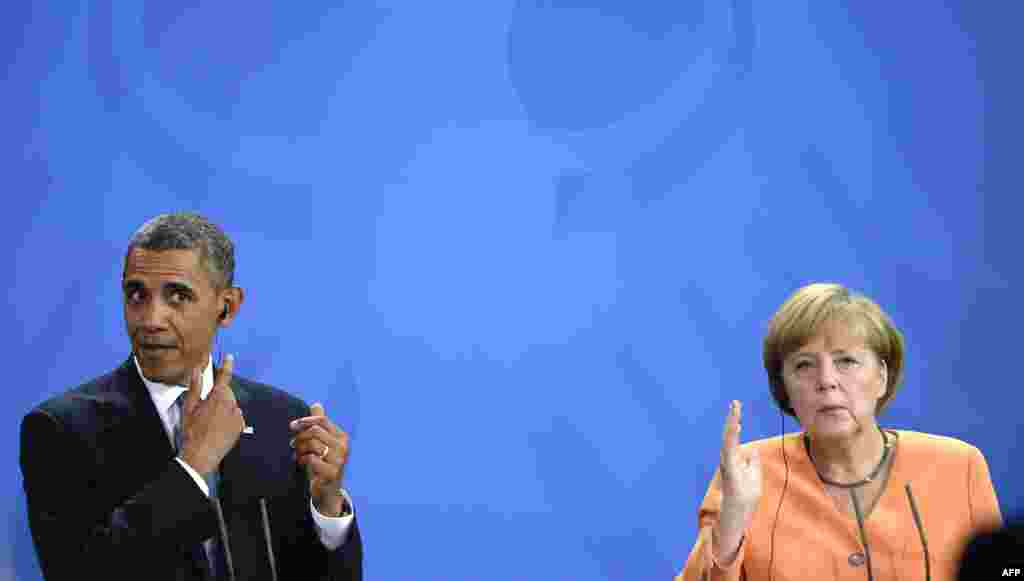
column 525, row 252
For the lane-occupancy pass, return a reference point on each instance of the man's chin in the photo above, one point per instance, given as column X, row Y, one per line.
column 160, row 372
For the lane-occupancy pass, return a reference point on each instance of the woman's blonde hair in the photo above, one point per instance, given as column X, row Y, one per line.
column 807, row 311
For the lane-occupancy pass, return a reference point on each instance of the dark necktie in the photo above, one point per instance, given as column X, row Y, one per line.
column 211, row 552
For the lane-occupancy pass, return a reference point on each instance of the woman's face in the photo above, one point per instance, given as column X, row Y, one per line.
column 834, row 382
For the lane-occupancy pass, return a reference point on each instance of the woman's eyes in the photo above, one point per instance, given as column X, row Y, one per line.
column 842, row 363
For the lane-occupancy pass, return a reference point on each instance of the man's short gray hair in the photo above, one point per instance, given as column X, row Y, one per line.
column 188, row 231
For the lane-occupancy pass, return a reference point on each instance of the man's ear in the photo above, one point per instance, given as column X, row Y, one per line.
column 231, row 299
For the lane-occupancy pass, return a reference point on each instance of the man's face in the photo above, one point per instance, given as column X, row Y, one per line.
column 171, row 310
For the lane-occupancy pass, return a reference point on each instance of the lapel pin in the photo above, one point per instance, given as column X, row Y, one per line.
column 248, row 430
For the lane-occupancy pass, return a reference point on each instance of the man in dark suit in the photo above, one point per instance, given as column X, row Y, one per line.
column 169, row 469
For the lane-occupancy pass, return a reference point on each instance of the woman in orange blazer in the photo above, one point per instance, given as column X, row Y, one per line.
column 838, row 500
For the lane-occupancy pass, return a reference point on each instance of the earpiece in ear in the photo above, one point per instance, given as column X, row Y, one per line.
column 224, row 313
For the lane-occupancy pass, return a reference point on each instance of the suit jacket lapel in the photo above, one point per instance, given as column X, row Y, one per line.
column 232, row 467
column 130, row 439
column 128, row 414
column 240, row 486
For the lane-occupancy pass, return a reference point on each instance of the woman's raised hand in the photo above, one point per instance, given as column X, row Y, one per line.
column 741, row 468
column 741, row 488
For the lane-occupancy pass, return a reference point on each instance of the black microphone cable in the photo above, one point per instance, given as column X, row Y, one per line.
column 785, row 484
column 920, row 532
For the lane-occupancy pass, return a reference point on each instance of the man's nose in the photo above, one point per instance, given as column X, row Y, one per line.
column 152, row 316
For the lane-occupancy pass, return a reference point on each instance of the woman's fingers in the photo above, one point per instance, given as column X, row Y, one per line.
column 751, row 459
column 731, row 432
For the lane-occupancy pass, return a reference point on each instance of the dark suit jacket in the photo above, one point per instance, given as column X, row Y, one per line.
column 107, row 500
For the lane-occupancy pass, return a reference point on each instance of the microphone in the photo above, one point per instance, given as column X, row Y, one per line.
column 266, row 536
column 863, row 535
column 224, row 539
column 227, row 549
column 920, row 532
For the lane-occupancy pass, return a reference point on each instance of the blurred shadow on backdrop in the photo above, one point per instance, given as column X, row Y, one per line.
column 675, row 70
column 187, row 100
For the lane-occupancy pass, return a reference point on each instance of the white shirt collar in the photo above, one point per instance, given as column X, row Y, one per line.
column 164, row 395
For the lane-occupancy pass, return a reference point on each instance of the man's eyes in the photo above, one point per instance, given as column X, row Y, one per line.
column 180, row 296
column 174, row 297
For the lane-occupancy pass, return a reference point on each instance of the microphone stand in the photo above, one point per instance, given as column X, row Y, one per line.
column 224, row 538
column 229, row 562
column 266, row 537
column 863, row 535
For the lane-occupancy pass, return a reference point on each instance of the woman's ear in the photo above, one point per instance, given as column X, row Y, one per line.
column 883, row 374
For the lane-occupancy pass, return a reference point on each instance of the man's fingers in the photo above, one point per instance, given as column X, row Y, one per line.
column 319, row 468
column 315, row 447
column 312, row 433
column 317, row 409
column 317, row 437
column 227, row 368
column 309, row 421
column 195, row 389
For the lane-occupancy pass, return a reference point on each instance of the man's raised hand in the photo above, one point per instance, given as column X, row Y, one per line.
column 210, row 427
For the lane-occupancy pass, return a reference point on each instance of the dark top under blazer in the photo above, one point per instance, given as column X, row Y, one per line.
column 107, row 500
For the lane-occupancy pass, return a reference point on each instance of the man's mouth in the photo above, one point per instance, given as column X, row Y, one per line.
column 155, row 346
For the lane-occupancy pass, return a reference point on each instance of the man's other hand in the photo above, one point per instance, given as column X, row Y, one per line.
column 322, row 447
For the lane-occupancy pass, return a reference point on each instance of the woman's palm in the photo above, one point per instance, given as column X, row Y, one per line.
column 740, row 467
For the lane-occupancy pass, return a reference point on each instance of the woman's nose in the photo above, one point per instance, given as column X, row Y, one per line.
column 829, row 378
